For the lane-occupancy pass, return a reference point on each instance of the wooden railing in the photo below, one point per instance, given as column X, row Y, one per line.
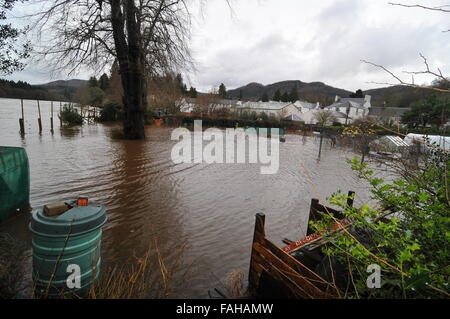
column 271, row 266
column 292, row 277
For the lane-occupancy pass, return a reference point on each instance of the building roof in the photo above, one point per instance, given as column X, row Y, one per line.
column 231, row 103
column 304, row 104
column 388, row 143
column 293, row 117
column 352, row 99
column 440, row 141
column 388, row 111
column 340, row 115
column 346, row 104
column 275, row 106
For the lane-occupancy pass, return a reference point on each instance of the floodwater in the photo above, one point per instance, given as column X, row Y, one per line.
column 203, row 213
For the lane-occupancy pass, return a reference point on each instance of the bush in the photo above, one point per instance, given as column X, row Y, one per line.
column 70, row 116
column 407, row 235
column 111, row 112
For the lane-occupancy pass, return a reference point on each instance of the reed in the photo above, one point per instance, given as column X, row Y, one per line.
column 11, row 274
column 148, row 276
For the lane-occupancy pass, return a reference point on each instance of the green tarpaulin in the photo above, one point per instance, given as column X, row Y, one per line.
column 14, row 180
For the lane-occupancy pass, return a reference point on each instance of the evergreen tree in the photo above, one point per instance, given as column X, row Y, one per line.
column 293, row 96
column 223, row 91
column 93, row 82
column 104, row 82
column 193, row 92
column 432, row 110
column 358, row 94
column 277, row 96
column 115, row 89
column 265, row 97
column 181, row 85
column 285, row 97
column 241, row 95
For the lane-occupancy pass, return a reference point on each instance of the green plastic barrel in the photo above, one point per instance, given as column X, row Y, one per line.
column 14, row 180
column 64, row 243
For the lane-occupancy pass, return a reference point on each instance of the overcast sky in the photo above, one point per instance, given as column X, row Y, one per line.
column 267, row 41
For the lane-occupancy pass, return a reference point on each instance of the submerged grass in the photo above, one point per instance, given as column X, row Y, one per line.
column 11, row 274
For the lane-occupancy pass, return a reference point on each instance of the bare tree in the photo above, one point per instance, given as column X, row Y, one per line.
column 324, row 117
column 208, row 103
column 164, row 93
column 441, row 83
column 145, row 37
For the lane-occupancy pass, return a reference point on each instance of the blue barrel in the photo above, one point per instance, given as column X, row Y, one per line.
column 64, row 246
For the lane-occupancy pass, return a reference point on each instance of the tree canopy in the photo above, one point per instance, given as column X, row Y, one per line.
column 432, row 110
column 12, row 53
column 223, row 91
column 358, row 94
column 277, row 96
column 147, row 38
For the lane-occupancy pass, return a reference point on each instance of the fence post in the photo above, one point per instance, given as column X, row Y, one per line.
column 60, row 118
column 312, row 215
column 51, row 118
column 22, row 120
column 351, row 198
column 258, row 237
column 321, row 141
column 39, row 118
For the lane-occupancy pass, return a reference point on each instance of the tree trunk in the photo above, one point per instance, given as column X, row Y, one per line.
column 131, row 69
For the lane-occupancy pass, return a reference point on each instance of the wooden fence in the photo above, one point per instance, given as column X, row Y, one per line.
column 275, row 273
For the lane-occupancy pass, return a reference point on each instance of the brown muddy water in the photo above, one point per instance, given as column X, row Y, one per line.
column 208, row 209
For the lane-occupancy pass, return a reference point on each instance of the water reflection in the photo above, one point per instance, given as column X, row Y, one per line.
column 70, row 131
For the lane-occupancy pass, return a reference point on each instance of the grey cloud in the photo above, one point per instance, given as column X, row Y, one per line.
column 334, row 56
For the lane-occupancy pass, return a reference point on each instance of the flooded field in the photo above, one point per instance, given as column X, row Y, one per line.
column 205, row 211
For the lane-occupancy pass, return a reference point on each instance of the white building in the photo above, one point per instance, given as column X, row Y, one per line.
column 350, row 109
column 188, row 105
column 345, row 110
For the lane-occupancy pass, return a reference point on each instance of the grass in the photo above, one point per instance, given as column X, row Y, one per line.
column 146, row 276
column 11, row 274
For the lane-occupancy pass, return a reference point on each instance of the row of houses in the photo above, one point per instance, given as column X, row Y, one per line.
column 343, row 110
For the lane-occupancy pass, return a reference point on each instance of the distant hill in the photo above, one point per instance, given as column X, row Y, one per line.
column 74, row 83
column 394, row 96
column 56, row 90
column 67, row 88
column 312, row 92
column 24, row 90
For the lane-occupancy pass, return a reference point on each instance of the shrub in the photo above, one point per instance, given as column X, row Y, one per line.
column 111, row 112
column 407, row 235
column 70, row 116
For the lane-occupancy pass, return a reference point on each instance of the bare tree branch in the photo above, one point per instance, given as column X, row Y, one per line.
column 438, row 75
column 439, row 8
